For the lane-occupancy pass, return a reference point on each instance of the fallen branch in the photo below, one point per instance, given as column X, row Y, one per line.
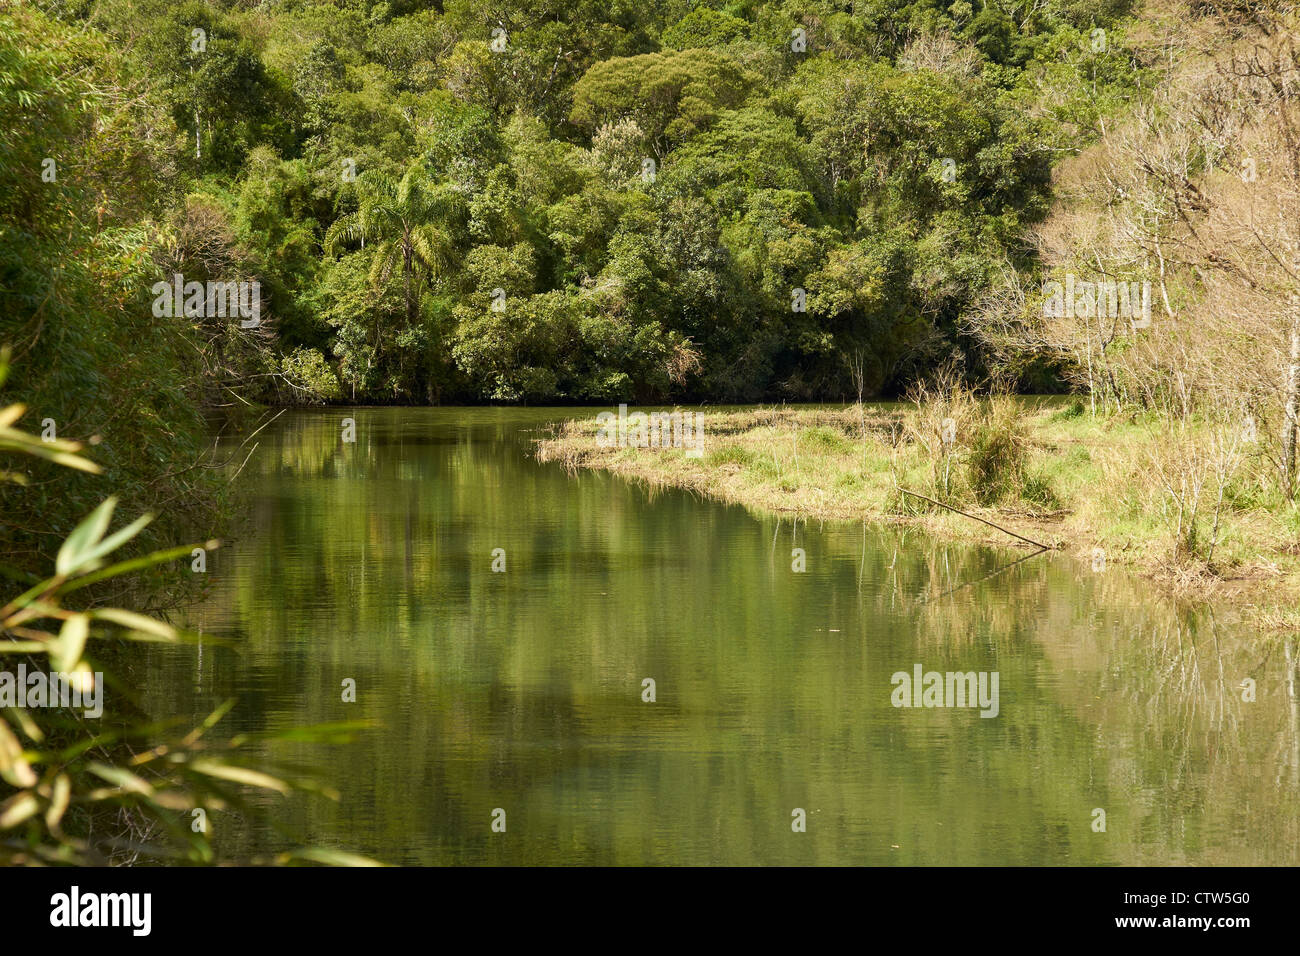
column 1021, row 537
column 992, row 574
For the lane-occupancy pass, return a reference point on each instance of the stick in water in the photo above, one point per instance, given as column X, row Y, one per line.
column 1036, row 544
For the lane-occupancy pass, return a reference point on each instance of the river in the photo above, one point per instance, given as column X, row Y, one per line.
column 517, row 698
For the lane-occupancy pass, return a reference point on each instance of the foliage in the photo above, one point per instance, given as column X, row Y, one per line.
column 73, row 770
column 636, row 179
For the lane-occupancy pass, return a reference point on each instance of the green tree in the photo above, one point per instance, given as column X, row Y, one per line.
column 405, row 222
column 671, row 95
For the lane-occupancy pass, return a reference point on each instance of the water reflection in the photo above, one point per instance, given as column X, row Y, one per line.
column 522, row 690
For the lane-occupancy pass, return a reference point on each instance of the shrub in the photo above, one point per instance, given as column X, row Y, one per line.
column 310, row 376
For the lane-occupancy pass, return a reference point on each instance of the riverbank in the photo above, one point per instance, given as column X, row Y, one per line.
column 1188, row 507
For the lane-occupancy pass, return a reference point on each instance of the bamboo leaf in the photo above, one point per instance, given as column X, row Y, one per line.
column 58, row 801
column 118, row 538
column 14, row 768
column 125, row 567
column 75, row 461
column 21, row 806
column 25, row 723
column 59, row 452
column 124, row 779
column 84, row 537
column 11, row 414
column 252, row 778
column 136, row 622
column 317, row 854
column 67, row 650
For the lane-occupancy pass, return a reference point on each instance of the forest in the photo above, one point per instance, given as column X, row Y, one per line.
column 212, row 209
column 542, row 202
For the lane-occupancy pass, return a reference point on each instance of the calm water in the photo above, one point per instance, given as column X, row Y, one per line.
column 522, row 690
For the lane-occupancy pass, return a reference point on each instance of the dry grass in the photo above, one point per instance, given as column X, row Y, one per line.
column 1191, row 514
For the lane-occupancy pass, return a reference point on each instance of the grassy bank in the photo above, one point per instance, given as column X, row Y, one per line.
column 1188, row 505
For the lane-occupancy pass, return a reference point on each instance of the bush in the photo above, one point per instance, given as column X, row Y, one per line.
column 310, row 376
column 995, row 464
column 730, row 455
column 823, row 438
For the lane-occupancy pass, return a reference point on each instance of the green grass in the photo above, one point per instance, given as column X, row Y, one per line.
column 1048, row 470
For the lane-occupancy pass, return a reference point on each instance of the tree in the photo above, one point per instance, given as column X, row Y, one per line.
column 671, row 95
column 405, row 222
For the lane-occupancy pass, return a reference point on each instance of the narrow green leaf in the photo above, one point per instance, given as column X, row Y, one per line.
column 136, row 622
column 14, row 768
column 74, row 461
column 84, row 537
column 25, row 723
column 252, row 778
column 317, row 854
column 118, row 538
column 125, row 567
column 21, row 806
column 124, row 779
column 67, row 650
column 58, row 801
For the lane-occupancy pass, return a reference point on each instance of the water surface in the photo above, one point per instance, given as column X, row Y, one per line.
column 522, row 690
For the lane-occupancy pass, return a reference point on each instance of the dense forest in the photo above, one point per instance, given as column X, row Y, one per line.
column 538, row 201
column 545, row 203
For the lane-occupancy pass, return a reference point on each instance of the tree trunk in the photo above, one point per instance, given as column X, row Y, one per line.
column 1292, row 408
column 408, row 268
